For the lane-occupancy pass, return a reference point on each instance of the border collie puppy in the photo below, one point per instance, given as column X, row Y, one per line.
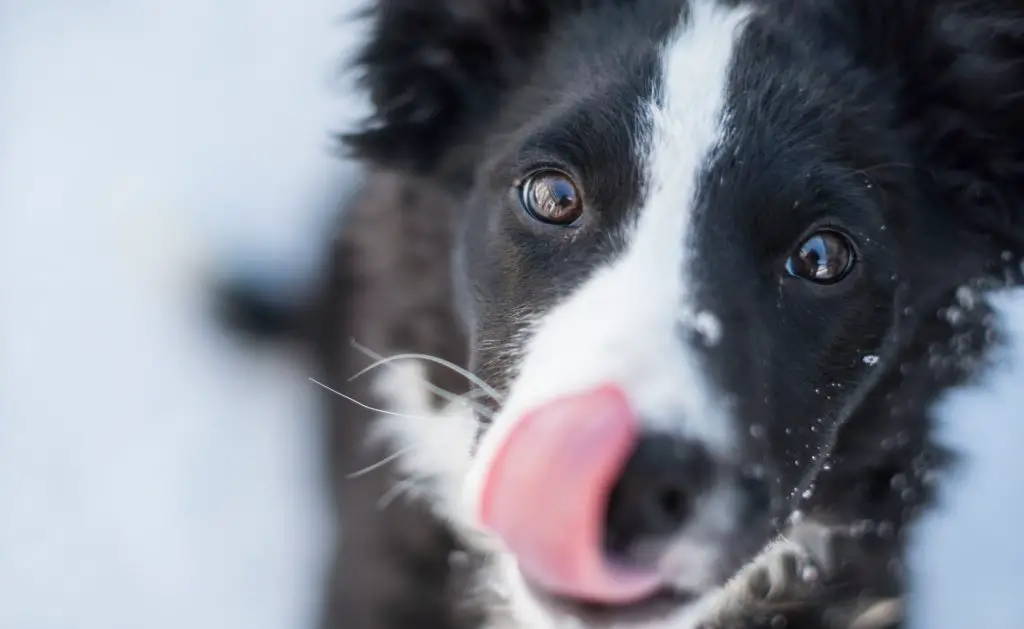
column 712, row 262
column 712, row 259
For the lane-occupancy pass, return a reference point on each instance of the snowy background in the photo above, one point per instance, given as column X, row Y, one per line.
column 969, row 556
column 154, row 474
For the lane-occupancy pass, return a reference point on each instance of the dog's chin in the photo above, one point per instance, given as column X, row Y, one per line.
column 535, row 607
column 656, row 610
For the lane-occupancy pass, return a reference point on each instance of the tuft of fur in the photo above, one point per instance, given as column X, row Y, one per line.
column 434, row 71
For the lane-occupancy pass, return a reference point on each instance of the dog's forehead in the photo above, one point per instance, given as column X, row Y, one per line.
column 588, row 98
column 590, row 94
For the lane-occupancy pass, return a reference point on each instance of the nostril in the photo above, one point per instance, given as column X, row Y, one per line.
column 672, row 504
column 655, row 494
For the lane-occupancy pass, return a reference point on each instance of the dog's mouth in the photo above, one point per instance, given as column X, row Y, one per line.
column 654, row 607
column 603, row 525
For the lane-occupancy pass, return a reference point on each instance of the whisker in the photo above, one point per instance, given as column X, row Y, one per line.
column 395, row 493
column 391, row 457
column 367, row 406
column 444, row 394
column 473, row 378
column 381, row 463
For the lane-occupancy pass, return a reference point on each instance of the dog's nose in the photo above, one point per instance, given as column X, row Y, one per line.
column 655, row 494
column 575, row 486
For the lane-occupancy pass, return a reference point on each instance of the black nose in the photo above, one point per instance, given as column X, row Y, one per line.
column 655, row 495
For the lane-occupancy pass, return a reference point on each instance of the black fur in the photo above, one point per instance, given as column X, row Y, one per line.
column 386, row 285
column 907, row 114
column 385, row 282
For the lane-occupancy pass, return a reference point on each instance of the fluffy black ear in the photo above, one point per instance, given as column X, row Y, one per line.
column 433, row 68
column 960, row 65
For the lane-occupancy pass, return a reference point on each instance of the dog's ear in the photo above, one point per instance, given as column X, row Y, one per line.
column 434, row 67
column 959, row 68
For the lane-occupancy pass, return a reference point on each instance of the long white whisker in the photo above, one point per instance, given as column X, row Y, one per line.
column 448, row 396
column 468, row 399
column 381, row 361
column 391, row 457
column 473, row 378
column 381, row 463
column 367, row 406
column 395, row 492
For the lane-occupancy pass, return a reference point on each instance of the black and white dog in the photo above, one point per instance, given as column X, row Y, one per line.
column 714, row 263
column 711, row 257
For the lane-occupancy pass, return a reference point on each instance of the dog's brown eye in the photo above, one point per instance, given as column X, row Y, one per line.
column 551, row 197
column 825, row 258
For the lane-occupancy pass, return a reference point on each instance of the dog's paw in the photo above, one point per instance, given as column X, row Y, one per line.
column 789, row 586
column 790, row 568
column 779, row 583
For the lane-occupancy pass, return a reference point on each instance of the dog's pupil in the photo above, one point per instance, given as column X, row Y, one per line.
column 825, row 257
column 553, row 198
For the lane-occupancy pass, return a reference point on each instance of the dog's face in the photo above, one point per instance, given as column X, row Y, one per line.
column 684, row 261
column 690, row 233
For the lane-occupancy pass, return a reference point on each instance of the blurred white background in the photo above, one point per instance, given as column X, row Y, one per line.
column 152, row 473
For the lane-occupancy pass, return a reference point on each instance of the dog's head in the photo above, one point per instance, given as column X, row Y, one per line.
column 693, row 234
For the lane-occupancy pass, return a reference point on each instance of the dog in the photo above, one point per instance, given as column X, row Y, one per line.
column 711, row 265
column 701, row 252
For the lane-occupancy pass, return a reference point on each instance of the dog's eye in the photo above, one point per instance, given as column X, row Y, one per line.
column 551, row 197
column 824, row 258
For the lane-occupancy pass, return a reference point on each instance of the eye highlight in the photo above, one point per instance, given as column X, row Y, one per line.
column 551, row 197
column 826, row 257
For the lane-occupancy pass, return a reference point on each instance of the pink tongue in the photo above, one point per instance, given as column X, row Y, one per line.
column 546, row 493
